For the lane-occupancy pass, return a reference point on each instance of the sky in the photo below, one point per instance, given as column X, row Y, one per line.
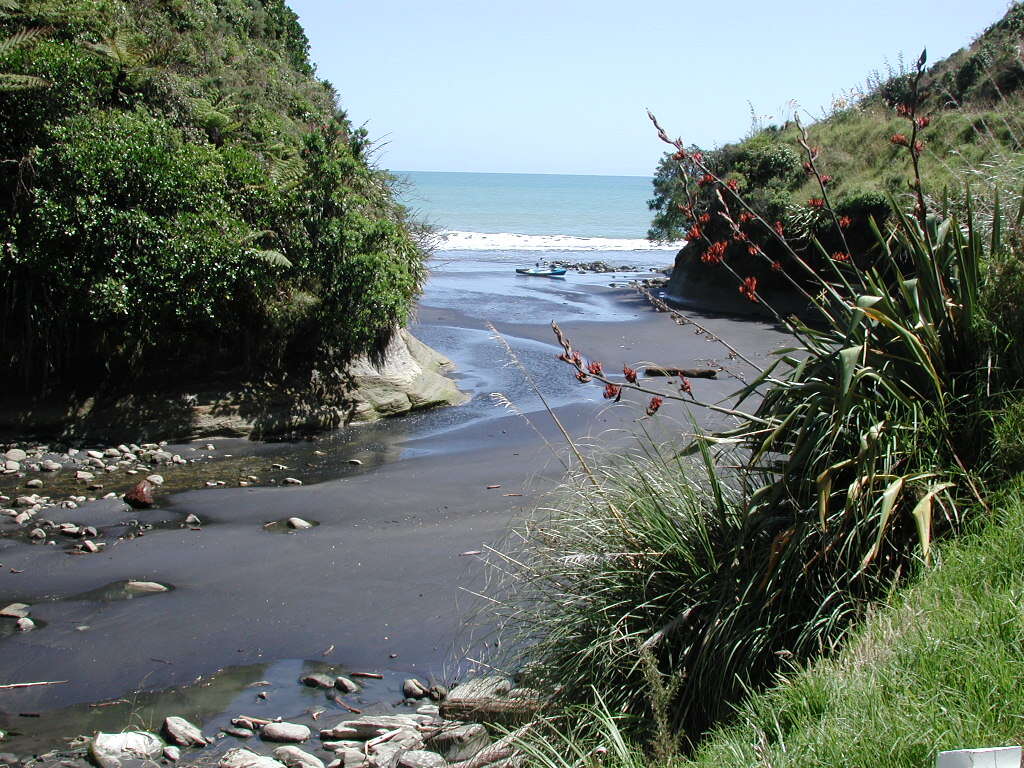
column 562, row 86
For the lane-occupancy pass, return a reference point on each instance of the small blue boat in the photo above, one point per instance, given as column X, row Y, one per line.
column 539, row 271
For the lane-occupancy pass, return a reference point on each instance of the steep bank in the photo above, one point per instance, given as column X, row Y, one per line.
column 407, row 376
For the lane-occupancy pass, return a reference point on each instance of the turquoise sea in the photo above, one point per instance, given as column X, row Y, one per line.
column 511, row 213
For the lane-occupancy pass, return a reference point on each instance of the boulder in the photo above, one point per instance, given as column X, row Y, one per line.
column 285, row 732
column 15, row 454
column 141, row 495
column 294, row 757
column 183, row 733
column 244, row 758
column 109, row 749
column 421, row 758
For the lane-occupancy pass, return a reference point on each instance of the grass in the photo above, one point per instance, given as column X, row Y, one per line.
column 935, row 667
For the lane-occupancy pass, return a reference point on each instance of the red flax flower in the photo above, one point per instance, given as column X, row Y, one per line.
column 698, row 157
column 577, row 359
column 629, row 373
column 706, row 179
column 705, row 218
column 777, row 266
column 612, row 391
column 778, row 229
column 595, row 368
column 903, row 110
column 922, row 122
column 581, row 377
column 840, row 256
column 654, row 405
column 680, row 155
column 715, row 254
column 749, row 288
column 732, row 184
column 753, row 249
column 826, row 179
column 919, row 146
column 740, row 236
column 746, row 216
column 684, row 385
column 845, row 222
column 808, row 169
column 816, row 202
column 900, row 140
column 694, row 232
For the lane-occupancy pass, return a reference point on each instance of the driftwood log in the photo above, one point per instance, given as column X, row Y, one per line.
column 691, row 373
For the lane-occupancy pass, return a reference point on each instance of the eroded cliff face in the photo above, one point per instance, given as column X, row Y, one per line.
column 409, row 376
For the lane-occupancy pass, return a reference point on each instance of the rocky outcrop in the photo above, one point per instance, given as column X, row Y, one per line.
column 407, row 376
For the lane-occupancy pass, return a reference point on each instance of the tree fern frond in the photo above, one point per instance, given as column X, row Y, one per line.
column 21, row 37
column 274, row 258
column 9, row 82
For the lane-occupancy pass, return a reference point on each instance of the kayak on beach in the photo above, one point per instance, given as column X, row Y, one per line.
column 541, row 271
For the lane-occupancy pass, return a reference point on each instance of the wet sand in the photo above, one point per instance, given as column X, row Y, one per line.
column 383, row 580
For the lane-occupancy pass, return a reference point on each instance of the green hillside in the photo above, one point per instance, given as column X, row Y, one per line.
column 180, row 192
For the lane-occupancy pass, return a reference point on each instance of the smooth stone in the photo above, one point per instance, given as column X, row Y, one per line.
column 94, row 454
column 386, row 755
column 192, row 519
column 352, row 757
column 421, row 758
column 49, row 465
column 178, row 729
column 172, row 753
column 35, row 482
column 26, row 625
column 317, row 680
column 109, row 749
column 155, row 479
column 414, row 689
column 83, row 475
column 459, row 741
column 16, row 610
column 355, row 462
column 294, row 757
column 148, row 586
column 11, row 466
column 237, row 732
column 112, row 453
column 346, row 685
column 288, row 732
column 292, row 481
column 15, row 454
column 141, row 495
column 431, row 710
column 244, row 758
column 299, row 524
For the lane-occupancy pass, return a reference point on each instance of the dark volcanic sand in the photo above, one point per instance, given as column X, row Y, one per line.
column 381, row 578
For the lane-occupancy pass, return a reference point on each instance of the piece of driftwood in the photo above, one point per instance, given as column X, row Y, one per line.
column 690, row 373
column 372, row 675
column 11, row 686
column 504, row 711
column 497, row 753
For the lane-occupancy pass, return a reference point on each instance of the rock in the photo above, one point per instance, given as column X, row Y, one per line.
column 355, row 462
column 141, row 495
column 430, row 710
column 459, row 741
column 109, row 749
column 90, row 546
column 15, row 454
column 192, row 519
column 181, row 731
column 317, row 680
column 162, row 457
column 438, row 692
column 37, row 534
column 49, row 465
column 26, row 625
column 371, row 726
column 299, row 524
column 287, row 732
column 155, row 479
column 15, row 610
column 414, row 689
column 112, row 453
column 386, row 755
column 11, row 466
column 35, row 482
column 292, row 481
column 345, row 685
column 83, row 475
column 294, row 757
column 172, row 753
column 244, row 758
column 237, row 732
column 421, row 758
column 94, row 454
column 147, row 586
column 352, row 757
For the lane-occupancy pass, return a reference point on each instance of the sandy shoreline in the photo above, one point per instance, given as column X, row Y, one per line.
column 382, row 579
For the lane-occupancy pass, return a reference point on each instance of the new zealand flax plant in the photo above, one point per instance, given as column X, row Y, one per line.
column 864, row 440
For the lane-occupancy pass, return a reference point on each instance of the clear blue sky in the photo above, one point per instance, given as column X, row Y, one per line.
column 560, row 86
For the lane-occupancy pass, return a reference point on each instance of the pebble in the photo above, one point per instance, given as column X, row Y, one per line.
column 26, row 625
column 192, row 519
column 51, row 466
column 94, row 454
column 146, row 586
column 172, row 753
column 292, row 481
column 238, row 732
column 355, row 462
column 299, row 524
column 83, row 475
column 155, row 479
column 35, row 482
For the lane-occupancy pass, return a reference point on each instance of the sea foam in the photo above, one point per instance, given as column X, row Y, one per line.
column 450, row 240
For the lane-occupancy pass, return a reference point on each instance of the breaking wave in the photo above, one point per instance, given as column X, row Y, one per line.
column 507, row 241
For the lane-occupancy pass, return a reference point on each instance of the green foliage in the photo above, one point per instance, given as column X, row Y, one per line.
column 186, row 190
